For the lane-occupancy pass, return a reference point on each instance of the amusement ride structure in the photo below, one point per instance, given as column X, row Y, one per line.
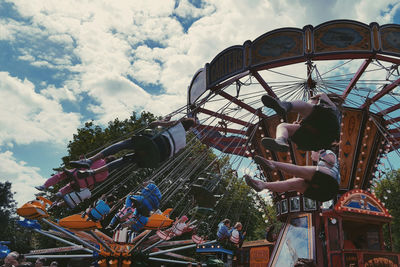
column 357, row 61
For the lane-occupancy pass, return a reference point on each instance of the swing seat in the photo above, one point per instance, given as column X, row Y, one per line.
column 76, row 222
column 157, row 221
column 35, row 209
column 201, row 211
column 146, row 151
column 203, row 197
column 121, row 235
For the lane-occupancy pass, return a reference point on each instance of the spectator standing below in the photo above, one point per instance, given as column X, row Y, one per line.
column 11, row 259
column 40, row 262
column 237, row 237
column 223, row 233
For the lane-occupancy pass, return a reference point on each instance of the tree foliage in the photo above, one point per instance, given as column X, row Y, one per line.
column 388, row 191
column 9, row 229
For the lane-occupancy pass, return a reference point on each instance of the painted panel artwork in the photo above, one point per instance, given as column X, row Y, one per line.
column 359, row 201
column 342, row 37
column 276, row 46
column 363, row 202
column 226, row 64
column 390, row 39
column 369, row 138
column 351, row 124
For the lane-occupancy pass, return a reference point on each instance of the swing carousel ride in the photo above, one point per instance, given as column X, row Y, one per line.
column 357, row 61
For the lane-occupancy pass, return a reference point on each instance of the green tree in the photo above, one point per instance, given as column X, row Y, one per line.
column 7, row 209
column 10, row 231
column 388, row 191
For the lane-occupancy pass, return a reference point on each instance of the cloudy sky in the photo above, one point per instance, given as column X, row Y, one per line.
column 66, row 62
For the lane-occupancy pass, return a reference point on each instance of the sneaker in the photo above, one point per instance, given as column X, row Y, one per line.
column 281, row 108
column 278, row 145
column 256, row 185
column 40, row 187
column 84, row 174
column 83, row 163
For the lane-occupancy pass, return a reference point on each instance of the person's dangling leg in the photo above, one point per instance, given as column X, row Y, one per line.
column 302, row 107
column 115, row 164
column 292, row 184
column 113, row 221
column 53, row 180
column 280, row 107
column 305, row 172
column 111, row 150
column 283, row 107
column 280, row 143
column 108, row 151
column 121, row 162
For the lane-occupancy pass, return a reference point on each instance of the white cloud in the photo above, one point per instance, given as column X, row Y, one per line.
column 29, row 117
column 58, row 94
column 104, row 44
column 115, row 39
column 186, row 10
column 22, row 176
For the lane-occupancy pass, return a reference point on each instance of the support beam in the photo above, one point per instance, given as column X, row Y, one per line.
column 230, row 81
column 356, row 77
column 176, row 243
column 55, row 250
column 71, row 235
column 141, row 240
column 242, row 104
column 263, row 83
column 220, row 129
column 310, row 82
column 172, row 261
column 388, row 110
column 391, row 121
column 58, row 256
column 224, row 117
column 383, row 92
column 153, row 245
column 101, row 241
column 59, row 239
column 388, row 59
column 180, row 248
